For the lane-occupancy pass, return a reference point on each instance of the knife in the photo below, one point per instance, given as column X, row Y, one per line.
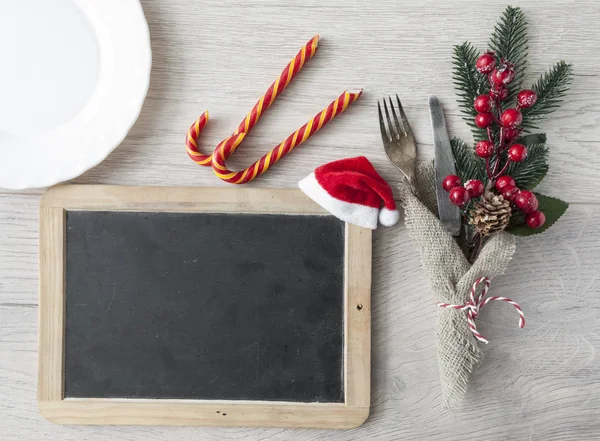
column 443, row 166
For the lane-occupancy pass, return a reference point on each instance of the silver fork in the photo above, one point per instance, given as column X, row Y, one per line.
column 398, row 141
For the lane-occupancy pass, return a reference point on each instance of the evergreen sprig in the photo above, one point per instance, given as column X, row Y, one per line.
column 509, row 41
column 550, row 88
column 468, row 82
column 530, row 172
column 468, row 165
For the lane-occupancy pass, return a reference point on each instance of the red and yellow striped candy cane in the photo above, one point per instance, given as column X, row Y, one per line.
column 228, row 146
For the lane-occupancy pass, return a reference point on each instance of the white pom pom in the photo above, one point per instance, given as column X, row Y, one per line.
column 388, row 217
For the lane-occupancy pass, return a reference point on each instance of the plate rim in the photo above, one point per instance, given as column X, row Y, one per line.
column 68, row 170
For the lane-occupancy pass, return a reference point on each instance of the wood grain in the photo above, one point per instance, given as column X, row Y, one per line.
column 57, row 201
column 51, row 304
column 186, row 199
column 203, row 413
column 357, row 326
column 538, row 383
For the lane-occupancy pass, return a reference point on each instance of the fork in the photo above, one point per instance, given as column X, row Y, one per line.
column 398, row 140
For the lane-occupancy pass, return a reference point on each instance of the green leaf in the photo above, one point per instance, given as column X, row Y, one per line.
column 534, row 138
column 550, row 88
column 553, row 209
column 468, row 165
column 468, row 83
column 530, row 172
column 517, row 218
column 509, row 41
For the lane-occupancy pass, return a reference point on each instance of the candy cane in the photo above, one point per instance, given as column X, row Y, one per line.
column 228, row 146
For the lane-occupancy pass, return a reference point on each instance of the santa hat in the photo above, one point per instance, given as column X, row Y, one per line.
column 352, row 190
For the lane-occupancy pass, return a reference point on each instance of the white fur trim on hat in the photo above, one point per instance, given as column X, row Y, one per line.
column 388, row 217
column 356, row 214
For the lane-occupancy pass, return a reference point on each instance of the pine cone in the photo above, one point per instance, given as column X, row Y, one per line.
column 491, row 214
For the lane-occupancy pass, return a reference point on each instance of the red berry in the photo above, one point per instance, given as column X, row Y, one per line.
column 483, row 120
column 502, row 75
column 474, row 188
column 526, row 201
column 526, row 98
column 510, row 134
column 483, row 103
column 510, row 192
column 486, row 63
column 535, row 219
column 503, row 182
column 450, row 182
column 499, row 92
column 517, row 152
column 511, row 118
column 484, row 149
column 459, row 196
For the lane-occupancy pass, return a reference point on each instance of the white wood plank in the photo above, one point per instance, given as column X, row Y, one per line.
column 539, row 383
column 207, row 55
column 382, row 46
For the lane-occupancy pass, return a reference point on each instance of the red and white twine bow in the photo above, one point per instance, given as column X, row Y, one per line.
column 478, row 301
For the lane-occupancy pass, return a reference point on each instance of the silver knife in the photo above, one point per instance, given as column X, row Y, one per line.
column 443, row 166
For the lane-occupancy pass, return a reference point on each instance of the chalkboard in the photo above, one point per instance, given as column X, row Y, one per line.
column 204, row 306
column 242, row 304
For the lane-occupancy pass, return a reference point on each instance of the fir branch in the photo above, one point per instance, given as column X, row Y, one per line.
column 468, row 83
column 530, row 172
column 509, row 41
column 550, row 88
column 468, row 165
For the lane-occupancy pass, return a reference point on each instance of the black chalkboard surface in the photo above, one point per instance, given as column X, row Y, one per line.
column 204, row 306
column 201, row 306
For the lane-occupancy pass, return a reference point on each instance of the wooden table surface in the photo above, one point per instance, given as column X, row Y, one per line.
column 539, row 383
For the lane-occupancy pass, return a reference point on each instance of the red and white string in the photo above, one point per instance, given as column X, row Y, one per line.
column 478, row 301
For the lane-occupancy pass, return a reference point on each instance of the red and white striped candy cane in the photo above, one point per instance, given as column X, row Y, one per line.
column 478, row 301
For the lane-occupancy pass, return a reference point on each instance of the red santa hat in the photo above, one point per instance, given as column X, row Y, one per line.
column 352, row 190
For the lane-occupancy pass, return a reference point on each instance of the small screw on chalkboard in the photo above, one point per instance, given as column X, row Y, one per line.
column 359, row 306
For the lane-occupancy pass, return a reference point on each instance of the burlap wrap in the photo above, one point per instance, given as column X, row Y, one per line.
column 451, row 277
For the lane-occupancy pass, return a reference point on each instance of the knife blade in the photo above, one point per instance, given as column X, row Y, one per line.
column 443, row 166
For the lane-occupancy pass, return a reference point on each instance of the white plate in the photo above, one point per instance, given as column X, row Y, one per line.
column 73, row 78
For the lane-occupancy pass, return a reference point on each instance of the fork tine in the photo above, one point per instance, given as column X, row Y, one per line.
column 398, row 126
column 384, row 133
column 407, row 128
column 389, row 120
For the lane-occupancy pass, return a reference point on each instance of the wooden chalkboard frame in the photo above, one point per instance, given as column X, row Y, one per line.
column 54, row 205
